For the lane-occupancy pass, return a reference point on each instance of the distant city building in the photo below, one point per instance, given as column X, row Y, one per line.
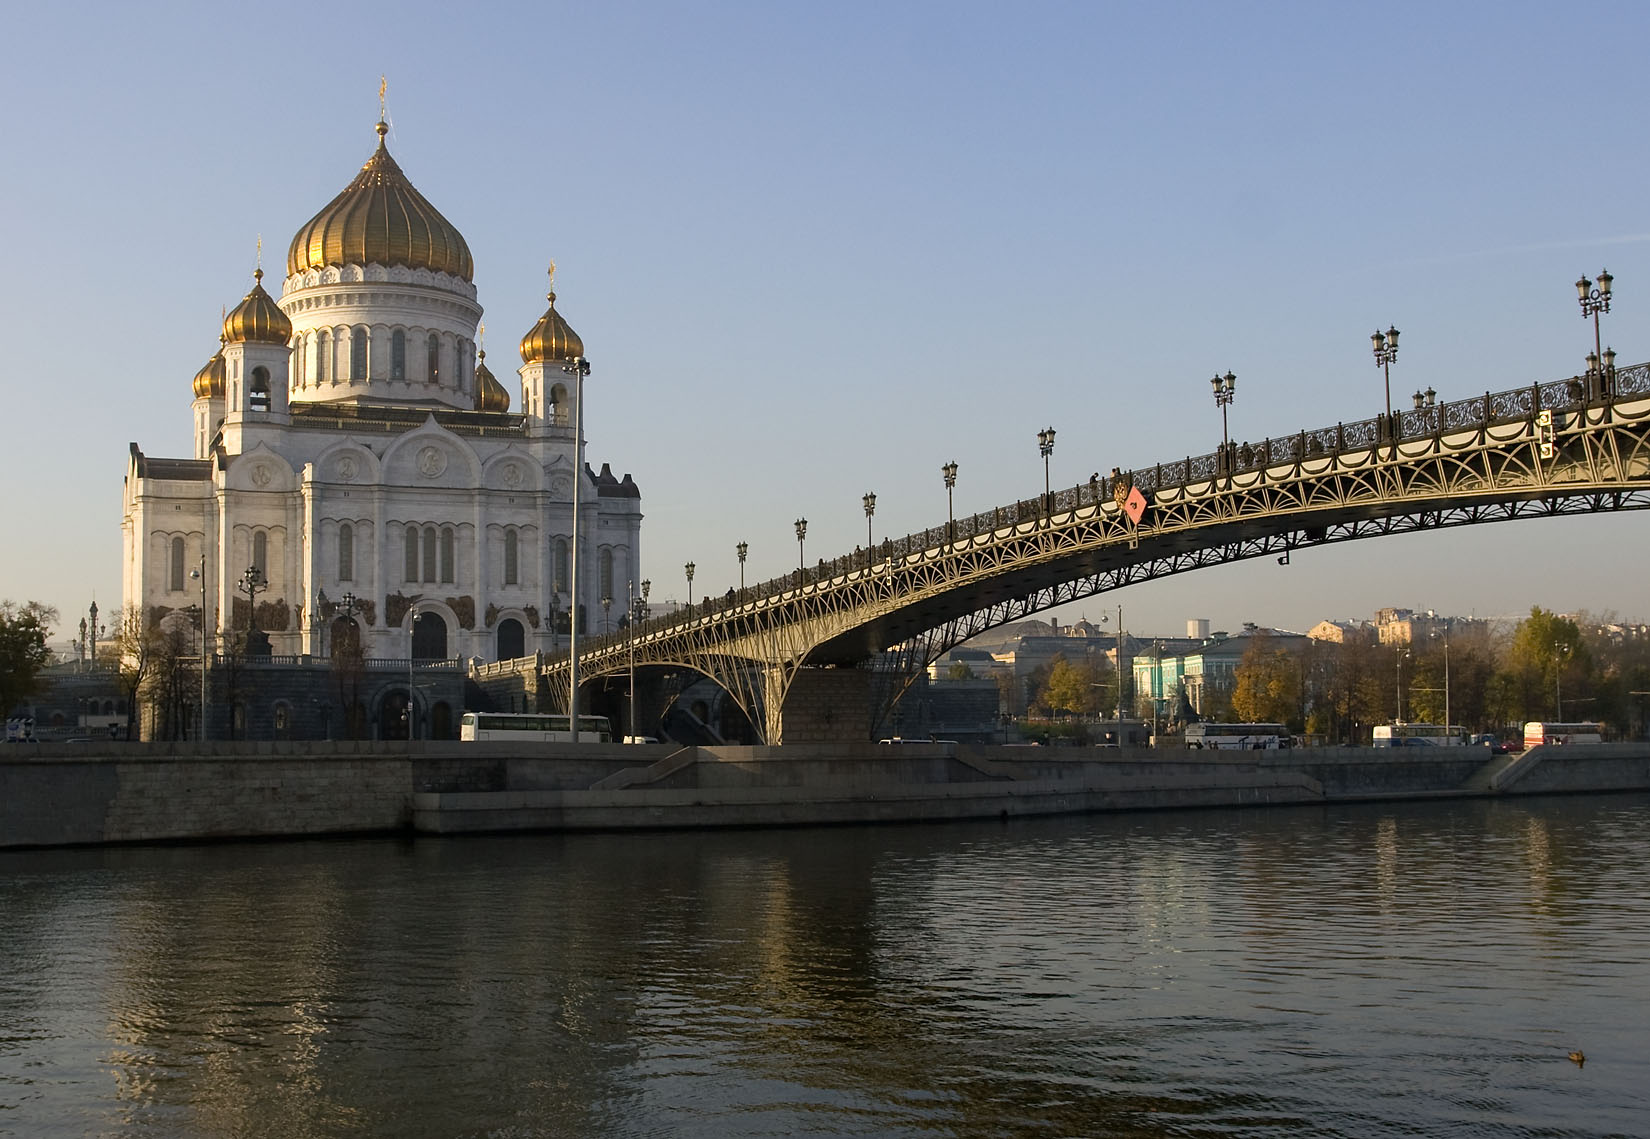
column 1339, row 632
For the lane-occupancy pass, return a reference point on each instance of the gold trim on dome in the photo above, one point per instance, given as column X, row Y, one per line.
column 380, row 219
column 552, row 338
column 257, row 319
column 490, row 394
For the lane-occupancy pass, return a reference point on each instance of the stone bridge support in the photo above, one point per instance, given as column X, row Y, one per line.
column 820, row 705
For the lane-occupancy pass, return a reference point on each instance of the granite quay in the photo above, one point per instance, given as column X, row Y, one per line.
column 89, row 794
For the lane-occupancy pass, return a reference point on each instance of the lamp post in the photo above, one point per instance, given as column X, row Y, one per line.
column 638, row 606
column 1104, row 618
column 690, row 568
column 1444, row 635
column 412, row 705
column 1594, row 301
column 949, row 470
column 742, row 549
column 1045, row 448
column 206, row 641
column 1225, row 388
column 578, row 367
column 1385, row 345
column 252, row 582
column 1560, row 651
column 801, row 534
column 870, row 502
column 607, row 615
column 1399, row 694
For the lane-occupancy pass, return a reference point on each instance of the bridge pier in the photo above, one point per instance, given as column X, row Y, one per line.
column 820, row 705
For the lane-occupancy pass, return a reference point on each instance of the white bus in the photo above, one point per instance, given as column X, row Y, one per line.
column 1238, row 737
column 1537, row 734
column 1420, row 735
column 532, row 726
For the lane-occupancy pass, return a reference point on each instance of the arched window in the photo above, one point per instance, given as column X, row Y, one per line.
column 604, row 571
column 559, row 563
column 466, row 364
column 398, row 355
column 177, row 565
column 257, row 393
column 434, row 362
column 411, row 569
column 511, row 558
column 558, row 405
column 323, row 356
column 300, row 360
column 358, row 354
column 512, row 639
column 260, row 553
column 447, row 554
column 346, row 552
column 429, row 553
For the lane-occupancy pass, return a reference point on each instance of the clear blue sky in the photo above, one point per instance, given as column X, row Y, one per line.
column 820, row 249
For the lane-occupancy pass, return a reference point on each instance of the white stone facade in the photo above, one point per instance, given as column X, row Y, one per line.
column 352, row 460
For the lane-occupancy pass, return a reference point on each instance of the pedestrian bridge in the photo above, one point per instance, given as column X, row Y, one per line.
column 795, row 651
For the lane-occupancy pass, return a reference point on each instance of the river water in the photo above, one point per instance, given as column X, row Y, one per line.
column 1363, row 970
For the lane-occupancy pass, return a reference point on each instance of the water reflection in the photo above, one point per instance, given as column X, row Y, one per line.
column 1367, row 970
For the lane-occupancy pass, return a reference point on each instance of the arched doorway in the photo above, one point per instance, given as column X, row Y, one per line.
column 429, row 639
column 392, row 716
column 512, row 639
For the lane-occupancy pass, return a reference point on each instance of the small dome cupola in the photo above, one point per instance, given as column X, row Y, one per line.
column 490, row 394
column 550, row 339
column 209, row 381
column 380, row 219
column 257, row 319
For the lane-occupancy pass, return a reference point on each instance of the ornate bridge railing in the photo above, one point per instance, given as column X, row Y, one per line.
column 1489, row 409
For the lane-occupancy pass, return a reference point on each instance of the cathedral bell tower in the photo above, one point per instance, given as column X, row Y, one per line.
column 545, row 387
column 257, row 359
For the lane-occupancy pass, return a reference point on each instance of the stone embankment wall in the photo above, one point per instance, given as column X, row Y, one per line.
column 99, row 793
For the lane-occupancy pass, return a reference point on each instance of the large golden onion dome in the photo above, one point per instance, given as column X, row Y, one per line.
column 380, row 219
column 550, row 339
column 490, row 394
column 210, row 381
column 257, row 319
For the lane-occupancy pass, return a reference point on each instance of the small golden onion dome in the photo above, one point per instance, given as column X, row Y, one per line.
column 379, row 219
column 210, row 380
column 490, row 394
column 257, row 319
column 550, row 339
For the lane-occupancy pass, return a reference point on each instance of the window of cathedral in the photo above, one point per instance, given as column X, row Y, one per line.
column 558, row 405
column 346, row 552
column 257, row 394
column 512, row 639
column 447, row 550
column 358, row 354
column 323, row 356
column 511, row 558
column 260, row 553
column 411, row 573
column 398, row 355
column 429, row 553
column 559, row 564
column 604, row 564
column 434, row 369
column 300, row 359
column 176, row 584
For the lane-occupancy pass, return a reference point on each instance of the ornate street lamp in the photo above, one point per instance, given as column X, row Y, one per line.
column 607, row 613
column 689, row 568
column 1594, row 301
column 412, row 705
column 252, row 583
column 1385, row 345
column 801, row 534
column 1045, row 447
column 870, row 502
column 1225, row 388
column 200, row 572
column 949, row 470
column 578, row 367
column 742, row 549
